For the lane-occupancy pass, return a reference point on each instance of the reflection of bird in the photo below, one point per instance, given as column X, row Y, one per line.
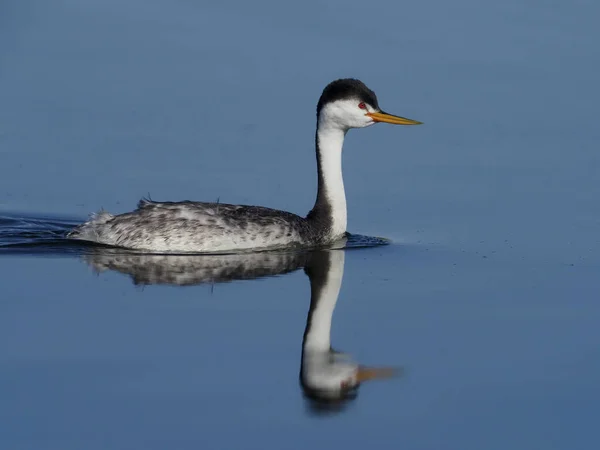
column 328, row 378
column 188, row 270
column 210, row 227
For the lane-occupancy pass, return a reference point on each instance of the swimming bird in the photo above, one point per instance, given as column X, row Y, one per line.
column 198, row 227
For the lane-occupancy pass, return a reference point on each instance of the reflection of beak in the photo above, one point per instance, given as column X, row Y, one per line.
column 375, row 373
column 389, row 118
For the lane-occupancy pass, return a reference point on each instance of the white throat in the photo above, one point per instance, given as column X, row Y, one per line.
column 330, row 140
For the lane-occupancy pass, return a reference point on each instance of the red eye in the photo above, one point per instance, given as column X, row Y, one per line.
column 362, row 105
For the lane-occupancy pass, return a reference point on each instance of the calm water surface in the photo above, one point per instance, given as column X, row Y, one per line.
column 486, row 300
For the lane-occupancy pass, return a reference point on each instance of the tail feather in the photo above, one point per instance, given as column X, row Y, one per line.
column 88, row 231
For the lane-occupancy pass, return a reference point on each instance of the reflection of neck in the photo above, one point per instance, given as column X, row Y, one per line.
column 330, row 206
column 325, row 273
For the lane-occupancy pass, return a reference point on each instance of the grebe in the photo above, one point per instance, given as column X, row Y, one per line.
column 200, row 227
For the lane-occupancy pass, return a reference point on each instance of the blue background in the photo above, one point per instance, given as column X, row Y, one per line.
column 487, row 298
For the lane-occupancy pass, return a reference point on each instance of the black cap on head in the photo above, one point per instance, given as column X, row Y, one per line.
column 347, row 88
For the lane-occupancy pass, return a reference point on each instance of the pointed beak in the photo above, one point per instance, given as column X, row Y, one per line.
column 375, row 373
column 389, row 118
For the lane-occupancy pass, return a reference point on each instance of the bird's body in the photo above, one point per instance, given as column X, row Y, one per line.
column 201, row 227
column 188, row 226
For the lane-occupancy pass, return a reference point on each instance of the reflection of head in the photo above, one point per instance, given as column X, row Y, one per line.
column 329, row 380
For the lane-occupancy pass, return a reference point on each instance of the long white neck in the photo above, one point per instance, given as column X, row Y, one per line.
column 330, row 206
column 325, row 291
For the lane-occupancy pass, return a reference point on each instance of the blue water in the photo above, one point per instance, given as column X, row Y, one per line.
column 486, row 296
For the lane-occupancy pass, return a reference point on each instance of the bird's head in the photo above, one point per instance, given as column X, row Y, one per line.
column 349, row 103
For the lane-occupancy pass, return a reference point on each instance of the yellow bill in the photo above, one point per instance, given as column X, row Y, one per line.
column 389, row 118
